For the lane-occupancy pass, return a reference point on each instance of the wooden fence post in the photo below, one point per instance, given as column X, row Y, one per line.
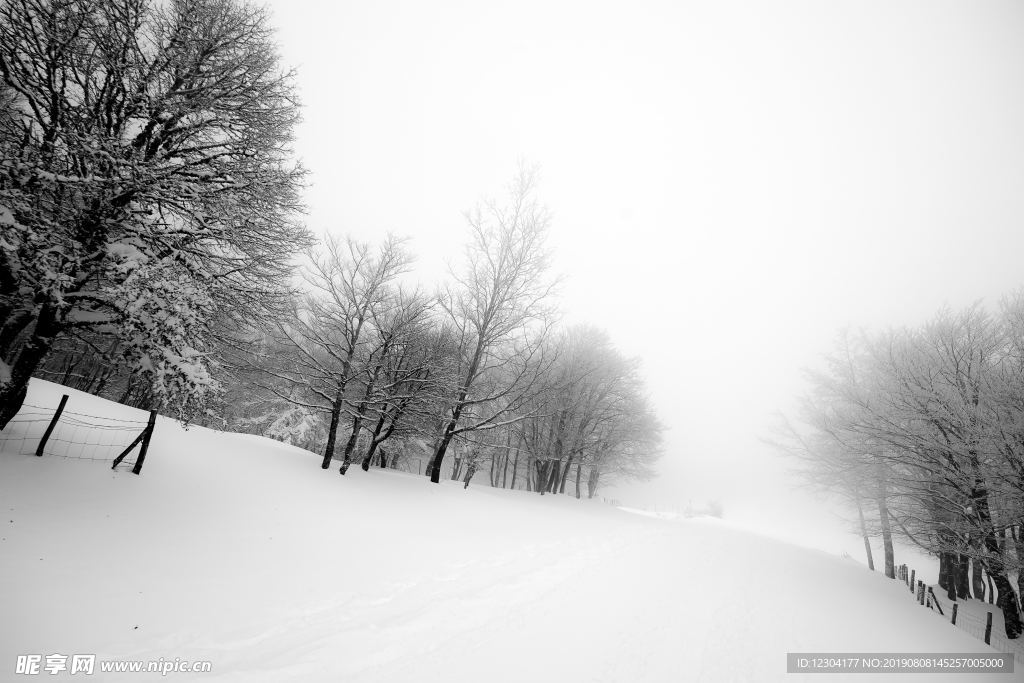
column 53, row 423
column 913, row 586
column 935, row 599
column 146, row 436
column 955, row 606
column 988, row 629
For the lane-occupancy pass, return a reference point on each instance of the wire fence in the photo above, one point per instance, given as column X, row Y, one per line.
column 55, row 431
column 969, row 616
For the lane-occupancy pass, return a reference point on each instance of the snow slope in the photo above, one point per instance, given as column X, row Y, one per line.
column 242, row 551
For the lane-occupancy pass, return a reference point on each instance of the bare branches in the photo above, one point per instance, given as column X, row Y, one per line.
column 500, row 304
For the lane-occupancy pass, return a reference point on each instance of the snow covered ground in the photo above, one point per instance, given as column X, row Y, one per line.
column 243, row 552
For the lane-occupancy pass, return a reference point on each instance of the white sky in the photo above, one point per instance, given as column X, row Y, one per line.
column 732, row 182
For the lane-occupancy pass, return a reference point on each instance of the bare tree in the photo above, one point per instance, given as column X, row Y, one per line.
column 330, row 335
column 414, row 376
column 397, row 326
column 499, row 307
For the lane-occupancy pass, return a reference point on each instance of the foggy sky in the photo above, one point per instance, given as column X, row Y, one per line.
column 731, row 182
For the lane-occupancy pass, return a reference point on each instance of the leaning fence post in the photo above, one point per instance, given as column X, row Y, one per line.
column 53, row 423
column 988, row 629
column 955, row 606
column 935, row 600
column 146, row 436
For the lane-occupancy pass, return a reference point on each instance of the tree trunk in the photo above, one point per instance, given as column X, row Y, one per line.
column 883, row 517
column 592, row 480
column 542, row 482
column 13, row 392
column 996, row 571
column 332, row 431
column 947, row 565
column 353, row 438
column 579, row 468
column 368, row 458
column 504, row 471
column 374, row 442
column 11, row 328
column 515, row 468
column 864, row 535
column 565, row 474
column 554, row 476
column 453, row 424
column 995, row 566
column 977, row 580
column 442, row 448
column 962, row 577
column 1018, row 545
column 945, row 570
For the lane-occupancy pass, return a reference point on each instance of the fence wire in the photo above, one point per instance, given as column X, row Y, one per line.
column 974, row 624
column 76, row 436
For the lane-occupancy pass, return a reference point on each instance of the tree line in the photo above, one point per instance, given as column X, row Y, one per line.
column 922, row 431
column 153, row 253
column 368, row 368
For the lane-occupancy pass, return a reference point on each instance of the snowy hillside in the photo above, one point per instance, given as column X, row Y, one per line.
column 241, row 551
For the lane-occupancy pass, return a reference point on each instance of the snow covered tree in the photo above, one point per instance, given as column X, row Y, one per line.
column 146, row 184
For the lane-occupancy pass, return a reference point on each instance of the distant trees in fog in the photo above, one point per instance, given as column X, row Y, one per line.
column 922, row 429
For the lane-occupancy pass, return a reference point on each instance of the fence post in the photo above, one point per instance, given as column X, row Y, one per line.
column 146, row 436
column 53, row 423
column 955, row 606
column 935, row 599
column 913, row 586
column 988, row 629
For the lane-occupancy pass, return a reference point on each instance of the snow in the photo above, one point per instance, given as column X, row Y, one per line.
column 240, row 550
